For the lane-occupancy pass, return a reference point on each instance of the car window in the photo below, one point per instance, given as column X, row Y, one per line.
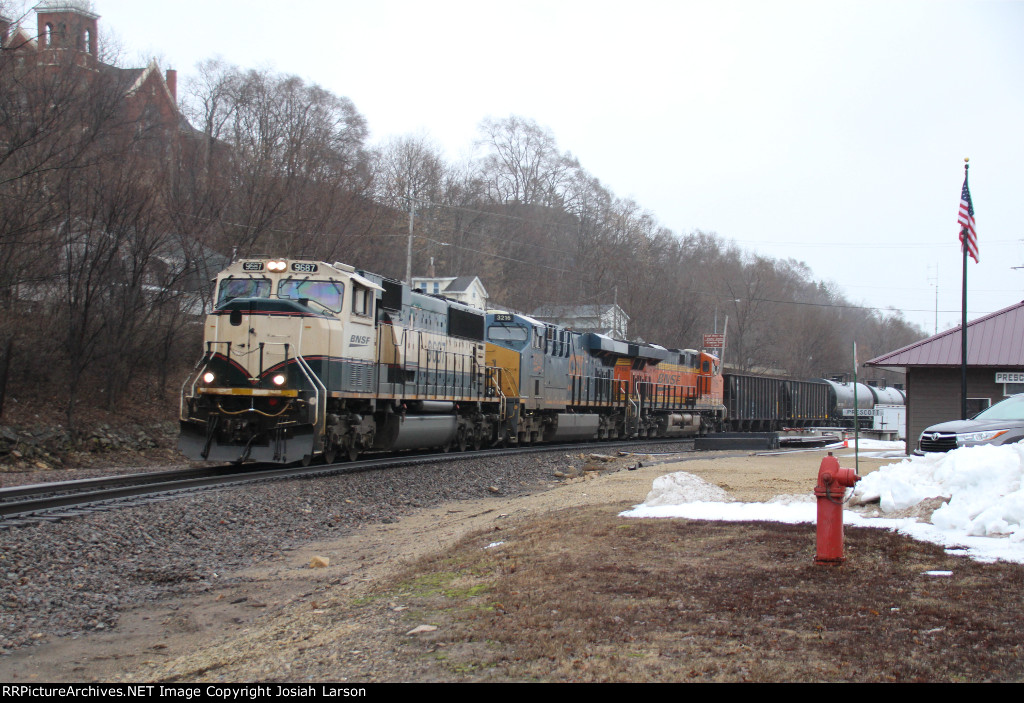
column 1009, row 409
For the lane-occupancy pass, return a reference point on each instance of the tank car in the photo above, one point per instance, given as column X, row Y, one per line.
column 842, row 403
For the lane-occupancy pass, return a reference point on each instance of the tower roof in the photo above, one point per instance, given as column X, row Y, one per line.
column 81, row 7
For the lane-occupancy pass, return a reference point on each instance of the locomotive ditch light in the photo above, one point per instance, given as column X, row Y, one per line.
column 278, row 380
column 208, row 377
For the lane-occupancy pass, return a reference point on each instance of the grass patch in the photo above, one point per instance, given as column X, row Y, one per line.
column 580, row 595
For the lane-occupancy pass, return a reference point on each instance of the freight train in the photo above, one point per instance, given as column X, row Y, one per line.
column 305, row 359
column 766, row 403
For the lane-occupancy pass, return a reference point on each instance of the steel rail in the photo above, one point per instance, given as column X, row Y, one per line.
column 40, row 501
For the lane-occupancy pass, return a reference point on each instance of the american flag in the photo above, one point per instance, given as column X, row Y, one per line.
column 966, row 220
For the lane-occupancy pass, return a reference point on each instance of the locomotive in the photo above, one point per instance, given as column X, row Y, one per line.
column 307, row 359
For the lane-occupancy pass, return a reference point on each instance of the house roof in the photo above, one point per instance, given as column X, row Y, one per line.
column 993, row 340
column 462, row 283
column 455, row 284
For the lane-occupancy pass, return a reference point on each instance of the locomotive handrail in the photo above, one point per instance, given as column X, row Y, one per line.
column 636, row 407
column 513, row 382
column 189, row 386
column 319, row 389
column 662, row 403
column 495, row 381
column 608, row 391
column 193, row 378
column 320, row 416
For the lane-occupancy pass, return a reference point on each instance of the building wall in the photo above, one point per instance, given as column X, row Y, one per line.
column 933, row 396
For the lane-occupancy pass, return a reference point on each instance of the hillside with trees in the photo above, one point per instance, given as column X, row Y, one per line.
column 114, row 217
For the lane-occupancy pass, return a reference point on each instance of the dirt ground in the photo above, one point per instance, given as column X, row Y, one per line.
column 412, row 600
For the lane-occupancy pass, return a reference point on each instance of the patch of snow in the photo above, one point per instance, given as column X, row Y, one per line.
column 983, row 518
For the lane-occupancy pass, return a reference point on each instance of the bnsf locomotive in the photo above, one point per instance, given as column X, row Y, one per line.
column 306, row 359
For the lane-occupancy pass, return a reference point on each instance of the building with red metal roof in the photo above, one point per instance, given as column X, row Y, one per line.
column 995, row 369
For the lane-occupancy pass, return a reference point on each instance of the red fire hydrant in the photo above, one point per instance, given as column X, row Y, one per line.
column 832, row 484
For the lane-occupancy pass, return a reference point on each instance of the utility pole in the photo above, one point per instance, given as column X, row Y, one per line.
column 408, row 251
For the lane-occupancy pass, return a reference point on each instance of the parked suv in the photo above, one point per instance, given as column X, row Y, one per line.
column 1003, row 423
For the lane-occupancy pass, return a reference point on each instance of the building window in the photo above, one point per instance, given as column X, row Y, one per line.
column 88, row 42
column 976, row 405
column 48, row 35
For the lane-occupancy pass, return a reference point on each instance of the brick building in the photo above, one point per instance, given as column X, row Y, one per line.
column 67, row 34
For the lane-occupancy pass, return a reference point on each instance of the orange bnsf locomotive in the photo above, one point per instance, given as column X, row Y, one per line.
column 307, row 359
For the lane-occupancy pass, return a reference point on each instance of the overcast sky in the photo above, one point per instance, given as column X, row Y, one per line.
column 830, row 132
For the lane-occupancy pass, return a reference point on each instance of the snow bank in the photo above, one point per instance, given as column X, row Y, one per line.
column 984, row 515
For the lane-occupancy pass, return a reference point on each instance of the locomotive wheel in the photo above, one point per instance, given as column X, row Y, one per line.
column 460, row 440
column 476, row 441
column 352, row 453
column 306, row 459
column 330, row 454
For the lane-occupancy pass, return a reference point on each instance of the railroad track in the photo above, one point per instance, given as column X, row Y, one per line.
column 21, row 505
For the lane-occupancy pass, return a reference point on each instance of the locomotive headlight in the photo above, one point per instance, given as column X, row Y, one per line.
column 208, row 377
column 276, row 265
column 278, row 380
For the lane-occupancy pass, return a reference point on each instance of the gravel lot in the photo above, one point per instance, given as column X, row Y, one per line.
column 123, row 592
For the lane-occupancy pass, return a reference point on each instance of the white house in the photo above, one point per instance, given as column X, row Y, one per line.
column 465, row 289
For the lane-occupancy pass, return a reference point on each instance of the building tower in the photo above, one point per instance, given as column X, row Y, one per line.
column 67, row 24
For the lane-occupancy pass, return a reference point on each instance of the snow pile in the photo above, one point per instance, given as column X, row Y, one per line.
column 983, row 485
column 681, row 487
column 984, row 515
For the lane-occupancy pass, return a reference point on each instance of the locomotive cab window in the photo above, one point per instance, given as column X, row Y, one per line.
column 329, row 294
column 231, row 288
column 362, row 302
column 513, row 333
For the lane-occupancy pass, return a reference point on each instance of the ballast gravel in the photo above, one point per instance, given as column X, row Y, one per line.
column 71, row 576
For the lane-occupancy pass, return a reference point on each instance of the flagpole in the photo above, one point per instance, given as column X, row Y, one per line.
column 963, row 318
column 963, row 339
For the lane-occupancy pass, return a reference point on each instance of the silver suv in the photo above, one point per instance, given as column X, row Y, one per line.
column 1003, row 423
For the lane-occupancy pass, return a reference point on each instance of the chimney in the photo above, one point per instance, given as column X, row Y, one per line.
column 172, row 84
